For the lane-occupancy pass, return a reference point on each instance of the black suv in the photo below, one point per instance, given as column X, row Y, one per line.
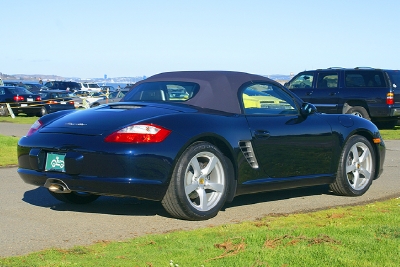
column 370, row 93
column 62, row 85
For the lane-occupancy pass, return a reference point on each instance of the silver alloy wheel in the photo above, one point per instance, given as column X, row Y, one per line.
column 204, row 181
column 359, row 164
column 3, row 110
column 43, row 111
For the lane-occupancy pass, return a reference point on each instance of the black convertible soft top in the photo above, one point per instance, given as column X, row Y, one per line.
column 218, row 89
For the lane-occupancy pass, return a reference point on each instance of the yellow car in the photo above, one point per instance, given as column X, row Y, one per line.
column 257, row 99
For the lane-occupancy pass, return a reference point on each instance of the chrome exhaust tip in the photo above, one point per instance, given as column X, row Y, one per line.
column 57, row 186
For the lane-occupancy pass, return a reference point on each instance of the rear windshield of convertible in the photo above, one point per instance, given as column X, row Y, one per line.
column 162, row 91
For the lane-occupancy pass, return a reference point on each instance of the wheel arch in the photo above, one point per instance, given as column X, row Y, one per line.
column 369, row 136
column 353, row 103
column 226, row 149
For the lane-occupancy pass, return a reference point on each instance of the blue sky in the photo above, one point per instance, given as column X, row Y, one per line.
column 90, row 38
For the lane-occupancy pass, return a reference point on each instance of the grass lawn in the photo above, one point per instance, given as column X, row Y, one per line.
column 8, row 150
column 19, row 119
column 364, row 236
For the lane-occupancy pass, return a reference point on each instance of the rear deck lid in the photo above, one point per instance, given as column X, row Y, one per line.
column 105, row 119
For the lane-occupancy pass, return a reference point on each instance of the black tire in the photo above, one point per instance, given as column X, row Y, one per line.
column 356, row 168
column 199, row 184
column 3, row 111
column 359, row 111
column 75, row 197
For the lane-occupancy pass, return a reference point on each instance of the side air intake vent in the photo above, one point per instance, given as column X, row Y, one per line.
column 248, row 153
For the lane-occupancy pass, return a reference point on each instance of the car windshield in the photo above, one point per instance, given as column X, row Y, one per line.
column 54, row 95
column 95, row 94
column 162, row 91
column 116, row 94
column 19, row 91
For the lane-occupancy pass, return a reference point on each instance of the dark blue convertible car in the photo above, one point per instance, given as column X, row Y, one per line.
column 224, row 134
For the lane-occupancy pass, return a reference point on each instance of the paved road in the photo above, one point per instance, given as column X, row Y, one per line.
column 31, row 220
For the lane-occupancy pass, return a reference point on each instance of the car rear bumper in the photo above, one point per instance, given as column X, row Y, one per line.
column 55, row 108
column 131, row 187
column 26, row 110
column 133, row 172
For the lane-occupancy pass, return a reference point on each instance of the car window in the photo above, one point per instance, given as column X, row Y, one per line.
column 19, row 90
column 327, row 80
column 162, row 91
column 395, row 78
column 364, row 79
column 304, row 80
column 264, row 98
column 73, row 85
column 117, row 94
column 93, row 85
column 58, row 95
column 43, row 95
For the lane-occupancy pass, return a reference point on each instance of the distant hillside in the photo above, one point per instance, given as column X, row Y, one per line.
column 33, row 77
column 36, row 77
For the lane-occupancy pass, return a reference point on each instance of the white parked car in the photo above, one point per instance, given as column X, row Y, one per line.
column 84, row 99
column 94, row 87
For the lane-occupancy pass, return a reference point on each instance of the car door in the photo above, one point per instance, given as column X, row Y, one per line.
column 286, row 144
column 326, row 93
column 302, row 85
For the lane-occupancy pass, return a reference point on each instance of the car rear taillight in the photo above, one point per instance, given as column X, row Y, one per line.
column 38, row 98
column 52, row 102
column 141, row 133
column 390, row 98
column 36, row 126
column 18, row 98
column 71, row 102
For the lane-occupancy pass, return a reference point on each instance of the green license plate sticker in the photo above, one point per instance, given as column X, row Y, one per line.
column 55, row 162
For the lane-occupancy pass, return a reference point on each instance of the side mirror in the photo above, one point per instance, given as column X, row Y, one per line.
column 286, row 84
column 308, row 109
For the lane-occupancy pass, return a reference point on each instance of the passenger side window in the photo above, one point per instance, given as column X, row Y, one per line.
column 355, row 80
column 263, row 98
column 302, row 81
column 327, row 80
column 364, row 79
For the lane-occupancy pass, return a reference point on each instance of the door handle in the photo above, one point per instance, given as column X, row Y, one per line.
column 262, row 134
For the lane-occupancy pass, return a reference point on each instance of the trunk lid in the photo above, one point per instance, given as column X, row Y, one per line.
column 106, row 119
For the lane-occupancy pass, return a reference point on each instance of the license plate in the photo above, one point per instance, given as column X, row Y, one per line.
column 29, row 99
column 55, row 162
column 24, row 105
column 63, row 102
